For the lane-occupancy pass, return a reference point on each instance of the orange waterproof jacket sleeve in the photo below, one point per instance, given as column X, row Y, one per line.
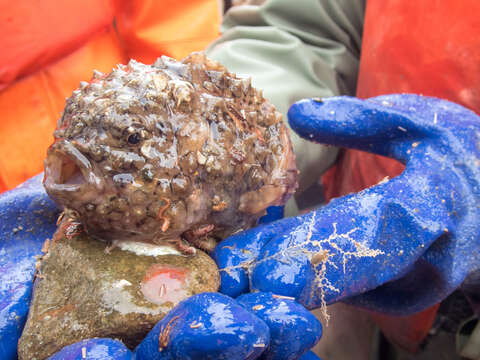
column 37, row 33
column 31, row 106
column 150, row 28
column 49, row 46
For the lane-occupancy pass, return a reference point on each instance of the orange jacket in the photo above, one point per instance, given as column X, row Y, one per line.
column 424, row 47
column 49, row 46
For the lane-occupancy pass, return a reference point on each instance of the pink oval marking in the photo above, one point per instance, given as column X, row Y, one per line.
column 163, row 283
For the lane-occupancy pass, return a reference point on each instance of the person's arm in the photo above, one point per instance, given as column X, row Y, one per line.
column 294, row 50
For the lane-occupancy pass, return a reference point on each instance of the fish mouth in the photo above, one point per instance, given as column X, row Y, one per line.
column 68, row 170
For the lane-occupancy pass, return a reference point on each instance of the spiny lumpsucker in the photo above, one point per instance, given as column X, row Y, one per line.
column 169, row 152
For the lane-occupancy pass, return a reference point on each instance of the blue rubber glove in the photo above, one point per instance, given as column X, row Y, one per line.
column 398, row 247
column 206, row 326
column 28, row 217
column 215, row 326
column 94, row 349
column 293, row 329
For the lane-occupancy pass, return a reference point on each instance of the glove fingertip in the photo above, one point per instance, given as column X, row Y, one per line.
column 327, row 120
column 301, row 117
column 27, row 219
column 233, row 277
column 94, row 349
column 232, row 256
column 273, row 213
column 293, row 329
column 206, row 326
column 233, row 282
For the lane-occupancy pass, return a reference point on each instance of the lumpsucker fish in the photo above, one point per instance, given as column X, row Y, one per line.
column 182, row 153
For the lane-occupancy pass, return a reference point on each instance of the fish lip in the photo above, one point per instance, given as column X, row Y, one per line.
column 67, row 149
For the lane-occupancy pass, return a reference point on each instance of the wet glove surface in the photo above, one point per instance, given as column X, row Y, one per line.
column 293, row 329
column 206, row 326
column 27, row 218
column 397, row 247
column 94, row 349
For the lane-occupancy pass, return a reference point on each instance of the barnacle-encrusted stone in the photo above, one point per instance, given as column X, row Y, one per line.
column 81, row 293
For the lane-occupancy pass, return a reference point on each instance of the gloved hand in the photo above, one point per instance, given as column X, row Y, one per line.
column 206, row 326
column 388, row 235
column 398, row 247
column 28, row 217
column 215, row 326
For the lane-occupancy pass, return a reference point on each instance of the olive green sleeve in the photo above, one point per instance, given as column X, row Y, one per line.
column 294, row 50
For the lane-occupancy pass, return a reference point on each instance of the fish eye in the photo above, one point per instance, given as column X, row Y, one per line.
column 134, row 138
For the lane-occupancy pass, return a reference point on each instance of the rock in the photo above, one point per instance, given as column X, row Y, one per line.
column 83, row 292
